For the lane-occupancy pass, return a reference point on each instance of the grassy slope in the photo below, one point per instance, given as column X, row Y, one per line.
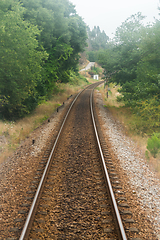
column 12, row 133
column 130, row 124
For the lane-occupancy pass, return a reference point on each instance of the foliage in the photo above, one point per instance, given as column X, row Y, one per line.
column 63, row 36
column 92, row 56
column 77, row 79
column 147, row 155
column 96, row 39
column 40, row 42
column 153, row 144
column 122, row 55
column 132, row 60
column 20, row 62
column 94, row 70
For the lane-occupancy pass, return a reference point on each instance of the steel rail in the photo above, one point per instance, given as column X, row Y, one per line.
column 26, row 227
column 114, row 203
column 24, row 232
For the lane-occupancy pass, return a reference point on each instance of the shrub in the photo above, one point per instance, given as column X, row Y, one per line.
column 153, row 144
column 147, row 155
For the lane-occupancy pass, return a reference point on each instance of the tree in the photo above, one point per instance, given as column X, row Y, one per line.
column 40, row 44
column 20, row 62
column 97, row 40
column 145, row 84
column 122, row 55
column 61, row 28
column 132, row 60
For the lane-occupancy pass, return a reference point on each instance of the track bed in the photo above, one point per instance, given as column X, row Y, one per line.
column 74, row 201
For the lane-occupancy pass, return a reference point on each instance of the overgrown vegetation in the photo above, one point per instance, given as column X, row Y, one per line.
column 153, row 144
column 40, row 42
column 132, row 60
column 13, row 132
column 95, row 70
column 132, row 125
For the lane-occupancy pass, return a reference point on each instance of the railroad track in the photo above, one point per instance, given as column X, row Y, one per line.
column 77, row 189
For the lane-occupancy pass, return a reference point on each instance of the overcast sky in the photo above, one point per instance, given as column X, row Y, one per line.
column 109, row 14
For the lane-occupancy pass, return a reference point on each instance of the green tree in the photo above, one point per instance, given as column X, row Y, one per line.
column 20, row 62
column 145, row 84
column 97, row 41
column 63, row 33
column 122, row 56
column 132, row 60
column 39, row 45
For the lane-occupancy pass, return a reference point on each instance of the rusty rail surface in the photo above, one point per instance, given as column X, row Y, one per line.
column 31, row 214
column 122, row 233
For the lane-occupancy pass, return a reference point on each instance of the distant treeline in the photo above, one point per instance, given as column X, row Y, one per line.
column 40, row 42
column 97, row 41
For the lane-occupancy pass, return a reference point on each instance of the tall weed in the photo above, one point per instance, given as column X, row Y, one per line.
column 153, row 144
column 149, row 112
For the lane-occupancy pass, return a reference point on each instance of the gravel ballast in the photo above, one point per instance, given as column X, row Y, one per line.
column 17, row 172
column 144, row 182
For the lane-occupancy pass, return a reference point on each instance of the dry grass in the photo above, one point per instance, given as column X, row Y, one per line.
column 126, row 118
column 112, row 95
column 12, row 133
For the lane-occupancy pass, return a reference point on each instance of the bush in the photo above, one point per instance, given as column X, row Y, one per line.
column 92, row 56
column 153, row 144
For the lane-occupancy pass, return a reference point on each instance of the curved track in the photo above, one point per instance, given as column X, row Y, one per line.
column 75, row 198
